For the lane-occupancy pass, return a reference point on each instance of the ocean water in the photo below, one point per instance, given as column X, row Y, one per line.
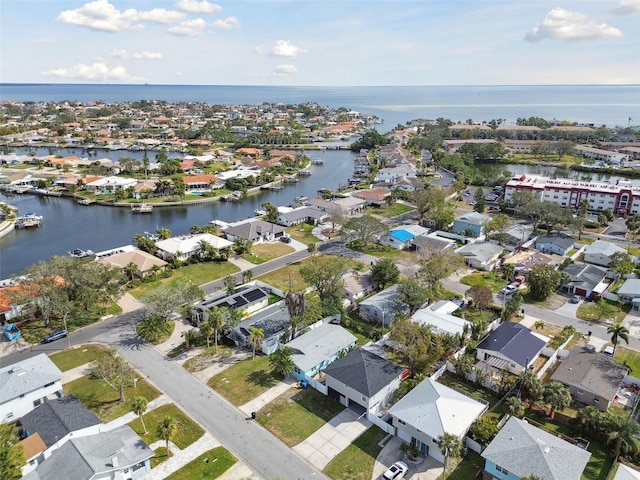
column 611, row 105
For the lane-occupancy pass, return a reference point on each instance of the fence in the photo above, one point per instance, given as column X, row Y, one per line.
column 319, row 386
column 381, row 423
column 559, row 352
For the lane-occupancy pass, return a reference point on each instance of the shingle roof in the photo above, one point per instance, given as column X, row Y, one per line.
column 55, row 419
column 254, row 229
column 630, row 287
column 364, row 371
column 523, row 449
column 27, row 376
column 600, row 247
column 514, row 341
column 585, row 276
column 559, row 239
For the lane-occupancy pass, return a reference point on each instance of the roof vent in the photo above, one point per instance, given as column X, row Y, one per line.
column 547, row 450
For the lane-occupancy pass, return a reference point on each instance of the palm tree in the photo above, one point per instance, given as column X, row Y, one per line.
column 206, row 330
column 190, row 336
column 255, row 338
column 130, row 270
column 217, row 319
column 515, row 407
column 539, row 325
column 557, row 396
column 154, row 328
column 530, row 386
column 590, row 419
column 281, row 361
column 166, row 430
column 617, row 330
column 450, row 446
column 139, row 406
column 624, row 430
column 247, row 275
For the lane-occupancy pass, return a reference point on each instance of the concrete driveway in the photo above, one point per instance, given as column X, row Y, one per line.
column 428, row 469
column 569, row 309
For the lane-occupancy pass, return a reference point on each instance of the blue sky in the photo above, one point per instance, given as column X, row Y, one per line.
column 321, row 42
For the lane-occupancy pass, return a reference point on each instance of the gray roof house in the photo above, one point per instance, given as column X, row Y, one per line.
column 592, row 377
column 357, row 286
column 274, row 321
column 383, row 306
column 585, row 279
column 629, row 292
column 430, row 410
column 249, row 298
column 481, row 255
column 107, row 455
column 313, row 215
column 26, row 384
column 365, row 379
column 600, row 252
column 472, row 222
column 558, row 243
column 511, row 347
column 520, row 449
column 255, row 230
column 626, row 473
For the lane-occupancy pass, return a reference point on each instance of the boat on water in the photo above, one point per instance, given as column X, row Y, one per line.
column 304, row 172
column 300, row 200
column 79, row 253
column 258, row 212
column 317, row 161
column 142, row 208
column 28, row 220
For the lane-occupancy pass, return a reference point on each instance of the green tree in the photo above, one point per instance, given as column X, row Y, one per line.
column 113, row 370
column 272, row 212
column 325, row 274
column 413, row 343
column 544, row 279
column 255, row 339
column 11, row 453
column 515, row 407
column 154, row 328
column 384, row 272
column 230, row 283
column 482, row 296
column 507, row 270
column 144, row 243
column 512, row 307
column 166, row 430
column 624, row 431
column 139, row 406
column 557, row 396
column 618, row 331
column 479, row 200
column 163, row 233
column 484, row 429
column 177, row 297
column 282, row 362
column 464, row 365
column 530, row 385
column 436, row 266
column 131, row 270
column 589, row 420
column 364, row 230
column 207, row 330
column 622, row 263
column 412, row 293
column 451, row 447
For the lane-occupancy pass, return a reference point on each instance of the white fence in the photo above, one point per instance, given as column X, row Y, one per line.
column 319, row 386
column 473, row 445
column 387, row 427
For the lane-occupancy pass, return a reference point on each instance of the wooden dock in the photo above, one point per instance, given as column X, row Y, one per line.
column 142, row 208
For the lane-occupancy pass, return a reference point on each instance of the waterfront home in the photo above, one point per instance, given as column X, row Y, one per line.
column 401, row 238
column 400, row 171
column 347, row 205
column 199, row 182
column 253, row 229
column 9, row 307
column 481, row 255
column 429, row 411
column 383, row 306
column 25, row 385
column 297, row 216
column 557, row 243
column 601, row 155
column 318, row 348
column 592, row 378
column 248, row 298
column 373, row 196
column 364, row 380
column 586, row 280
column 74, row 181
column 600, row 252
column 438, row 317
column 470, row 224
column 109, row 185
column 186, row 246
column 512, row 347
column 629, row 292
column 145, row 263
column 275, row 323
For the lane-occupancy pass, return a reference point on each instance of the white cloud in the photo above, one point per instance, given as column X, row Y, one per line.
column 627, row 7
column 189, row 28
column 101, row 15
column 46, row 41
column 285, row 69
column 226, row 23
column 566, row 26
column 136, row 56
column 97, row 71
column 193, row 6
column 283, row 48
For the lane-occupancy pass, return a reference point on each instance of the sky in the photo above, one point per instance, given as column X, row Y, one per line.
column 321, row 42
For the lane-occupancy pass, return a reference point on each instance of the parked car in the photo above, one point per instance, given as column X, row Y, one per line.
column 575, row 299
column 608, row 351
column 57, row 335
column 285, row 239
column 396, row 471
column 509, row 289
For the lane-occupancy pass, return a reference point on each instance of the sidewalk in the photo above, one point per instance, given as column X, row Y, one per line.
column 261, row 400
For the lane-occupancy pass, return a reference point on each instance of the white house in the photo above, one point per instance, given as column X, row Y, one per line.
column 186, row 246
column 600, row 252
column 481, row 255
column 401, row 237
column 439, row 317
column 26, row 384
column 109, row 185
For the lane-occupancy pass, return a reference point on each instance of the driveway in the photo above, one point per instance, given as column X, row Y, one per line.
column 569, row 309
column 428, row 469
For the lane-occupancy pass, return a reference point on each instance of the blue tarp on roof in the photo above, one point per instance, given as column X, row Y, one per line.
column 401, row 235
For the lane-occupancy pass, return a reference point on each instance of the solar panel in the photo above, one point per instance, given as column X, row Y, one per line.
column 239, row 302
column 253, row 295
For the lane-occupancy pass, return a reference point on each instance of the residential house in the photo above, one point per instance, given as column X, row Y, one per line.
column 145, row 263
column 400, row 171
column 373, row 196
column 249, row 298
column 365, row 379
column 383, row 306
column 9, row 308
column 558, row 243
column 357, row 286
column 481, row 255
column 432, row 243
column 629, row 292
column 109, row 185
column 33, row 447
column 113, row 455
column 203, row 182
column 516, row 235
column 600, row 252
column 592, row 378
column 438, row 317
column 586, row 280
column 401, row 237
column 512, row 347
column 256, row 230
column 318, row 348
column 626, row 473
column 525, row 260
column 274, row 321
column 429, row 411
column 312, row 215
column 470, row 224
column 520, row 450
column 347, row 205
column 186, row 246
column 26, row 384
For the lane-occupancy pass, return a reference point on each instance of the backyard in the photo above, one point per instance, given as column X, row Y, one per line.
column 245, row 380
column 390, row 211
column 357, row 460
column 296, row 414
column 629, row 358
column 209, row 465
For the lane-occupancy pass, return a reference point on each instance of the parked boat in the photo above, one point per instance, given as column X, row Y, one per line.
column 79, row 253
column 142, row 208
column 258, row 212
column 317, row 161
column 86, row 201
column 304, row 172
column 28, row 220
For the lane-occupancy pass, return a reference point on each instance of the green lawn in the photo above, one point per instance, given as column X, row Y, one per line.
column 629, row 358
column 385, row 251
column 475, row 315
column 468, row 468
column 302, row 233
column 187, row 433
column 76, row 356
column 160, row 455
column 245, row 380
column 286, row 277
column 584, row 240
column 487, row 279
column 451, row 381
column 296, row 414
column 360, row 328
column 267, row 251
column 198, row 273
column 209, row 465
column 207, row 358
column 599, row 463
column 98, row 397
column 602, row 310
column 357, row 460
column 391, row 211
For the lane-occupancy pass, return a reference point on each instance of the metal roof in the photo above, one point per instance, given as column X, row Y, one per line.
column 319, row 344
column 27, row 376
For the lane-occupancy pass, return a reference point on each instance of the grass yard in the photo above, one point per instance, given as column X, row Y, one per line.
column 360, row 328
column 302, row 233
column 384, row 251
column 470, row 390
column 487, row 279
column 629, row 358
column 286, row 277
column 187, row 433
column 600, row 462
column 356, row 461
column 160, row 455
column 602, row 310
column 296, row 414
column 245, row 380
column 207, row 358
column 267, row 251
column 391, row 211
column 198, row 273
column 76, row 356
column 584, row 240
column 209, row 465
column 475, row 315
column 98, row 397
column 468, row 468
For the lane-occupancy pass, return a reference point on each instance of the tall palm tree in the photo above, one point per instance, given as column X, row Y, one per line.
column 217, row 320
column 166, row 430
column 515, row 407
column 624, row 430
column 617, row 331
column 139, row 406
column 530, row 386
column 255, row 338
column 281, row 361
column 590, row 419
column 450, row 446
column 206, row 330
column 557, row 396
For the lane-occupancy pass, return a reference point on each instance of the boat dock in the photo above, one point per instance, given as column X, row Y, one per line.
column 317, row 161
column 86, row 201
column 304, row 172
column 142, row 208
column 28, row 220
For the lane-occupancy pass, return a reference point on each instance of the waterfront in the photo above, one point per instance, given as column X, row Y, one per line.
column 67, row 225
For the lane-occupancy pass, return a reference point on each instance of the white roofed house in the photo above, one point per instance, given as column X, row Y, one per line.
column 481, row 255
column 438, row 316
column 600, row 252
column 186, row 246
column 109, row 185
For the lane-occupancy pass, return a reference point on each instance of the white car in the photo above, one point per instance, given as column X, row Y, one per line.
column 396, row 471
column 509, row 289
